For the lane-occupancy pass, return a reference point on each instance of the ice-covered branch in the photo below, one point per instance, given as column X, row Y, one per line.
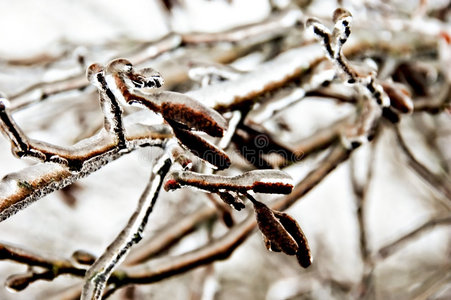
column 259, row 181
column 98, row 274
column 170, row 235
column 333, row 43
column 224, row 246
column 19, row 189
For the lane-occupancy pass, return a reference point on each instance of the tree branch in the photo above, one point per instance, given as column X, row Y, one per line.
column 440, row 184
column 97, row 275
column 223, row 247
column 392, row 247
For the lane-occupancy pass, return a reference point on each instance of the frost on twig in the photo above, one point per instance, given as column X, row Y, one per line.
column 21, row 188
column 98, row 274
column 258, row 100
column 258, row 181
column 181, row 112
column 245, row 37
column 113, row 123
column 386, row 94
column 333, row 43
column 269, row 76
column 114, row 83
column 64, row 165
column 392, row 97
column 281, row 232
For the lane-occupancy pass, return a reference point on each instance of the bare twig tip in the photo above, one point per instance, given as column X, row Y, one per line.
column 340, row 14
column 92, row 70
column 4, row 103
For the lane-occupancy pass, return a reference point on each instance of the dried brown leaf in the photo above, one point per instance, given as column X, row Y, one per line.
column 273, row 230
column 185, row 110
column 201, row 147
column 303, row 254
column 400, row 97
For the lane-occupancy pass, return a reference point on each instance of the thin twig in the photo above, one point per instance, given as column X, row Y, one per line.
column 321, row 139
column 274, row 26
column 19, row 189
column 9, row 252
column 170, row 235
column 98, row 274
column 253, row 34
column 360, row 190
column 223, row 247
column 440, row 184
column 274, row 74
column 53, row 267
column 394, row 246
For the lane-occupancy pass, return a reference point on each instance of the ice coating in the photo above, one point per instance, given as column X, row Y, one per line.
column 147, row 78
column 186, row 110
column 91, row 74
column 98, row 273
column 111, row 109
column 4, row 103
column 342, row 19
column 142, row 78
column 83, row 257
column 273, row 73
column 333, row 43
column 208, row 72
column 127, row 84
column 260, row 181
column 285, row 97
column 119, row 65
column 18, row 282
column 400, row 97
column 19, row 189
column 19, row 142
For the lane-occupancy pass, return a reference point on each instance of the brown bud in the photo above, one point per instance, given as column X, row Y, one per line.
column 340, row 13
column 400, row 97
column 83, row 257
column 201, row 147
column 19, row 282
column 303, row 254
column 227, row 219
column 273, row 230
column 271, row 246
column 182, row 109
